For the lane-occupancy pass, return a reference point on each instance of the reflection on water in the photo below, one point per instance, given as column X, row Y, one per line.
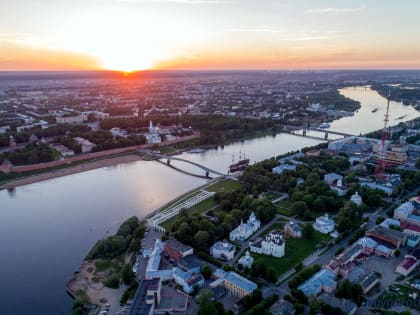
column 366, row 119
column 47, row 228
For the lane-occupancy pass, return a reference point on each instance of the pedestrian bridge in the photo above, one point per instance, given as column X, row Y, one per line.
column 174, row 158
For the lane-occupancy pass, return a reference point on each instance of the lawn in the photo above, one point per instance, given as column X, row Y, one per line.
column 224, row 186
column 283, row 204
column 199, row 208
column 283, row 211
column 283, row 208
column 296, row 251
column 399, row 294
column 271, row 195
column 166, row 150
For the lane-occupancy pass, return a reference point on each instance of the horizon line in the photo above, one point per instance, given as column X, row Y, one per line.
column 215, row 70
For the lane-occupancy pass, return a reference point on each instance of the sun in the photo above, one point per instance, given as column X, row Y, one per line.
column 126, row 65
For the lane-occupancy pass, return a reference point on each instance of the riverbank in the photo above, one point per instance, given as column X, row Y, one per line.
column 70, row 170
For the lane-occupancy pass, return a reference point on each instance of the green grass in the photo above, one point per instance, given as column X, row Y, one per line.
column 283, row 208
column 271, row 195
column 203, row 206
column 296, row 250
column 166, row 150
column 282, row 204
column 284, row 211
column 400, row 296
column 198, row 209
column 224, row 186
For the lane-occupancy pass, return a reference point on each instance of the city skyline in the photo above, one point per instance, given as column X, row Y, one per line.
column 129, row 35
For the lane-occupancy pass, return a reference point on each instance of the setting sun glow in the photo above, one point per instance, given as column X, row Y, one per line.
column 130, row 35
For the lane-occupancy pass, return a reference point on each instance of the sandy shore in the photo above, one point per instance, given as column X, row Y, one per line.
column 70, row 170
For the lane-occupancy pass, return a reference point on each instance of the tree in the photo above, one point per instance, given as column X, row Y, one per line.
column 206, row 271
column 201, row 238
column 127, row 274
column 207, row 308
column 307, row 231
column 350, row 291
column 299, row 207
column 184, row 233
column 270, row 275
column 418, row 163
column 112, row 281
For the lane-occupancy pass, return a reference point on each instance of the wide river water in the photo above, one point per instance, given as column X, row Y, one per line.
column 47, row 228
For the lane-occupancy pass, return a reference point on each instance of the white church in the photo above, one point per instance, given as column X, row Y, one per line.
column 272, row 244
column 153, row 136
column 245, row 230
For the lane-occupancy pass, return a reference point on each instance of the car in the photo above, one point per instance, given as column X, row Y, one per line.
column 103, row 313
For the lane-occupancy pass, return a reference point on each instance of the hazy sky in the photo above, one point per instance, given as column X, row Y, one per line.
column 208, row 34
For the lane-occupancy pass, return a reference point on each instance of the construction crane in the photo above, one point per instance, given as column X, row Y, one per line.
column 381, row 162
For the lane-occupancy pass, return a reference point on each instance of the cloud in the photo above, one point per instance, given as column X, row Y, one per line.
column 255, row 30
column 192, row 2
column 334, row 11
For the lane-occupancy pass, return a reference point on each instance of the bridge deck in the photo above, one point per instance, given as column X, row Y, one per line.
column 169, row 157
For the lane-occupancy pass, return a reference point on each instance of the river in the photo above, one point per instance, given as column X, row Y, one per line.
column 47, row 228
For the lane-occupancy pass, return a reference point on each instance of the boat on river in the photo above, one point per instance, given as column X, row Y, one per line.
column 240, row 165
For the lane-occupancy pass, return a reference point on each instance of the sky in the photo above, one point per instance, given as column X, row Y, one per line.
column 128, row 35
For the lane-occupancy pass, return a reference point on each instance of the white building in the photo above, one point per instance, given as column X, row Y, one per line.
column 118, row 132
column 245, row 230
column 223, row 250
column 154, row 134
column 331, row 178
column 272, row 244
column 404, row 210
column 71, row 119
column 4, row 129
column 339, row 188
column 85, row 145
column 356, row 198
column 247, row 260
column 284, row 167
column 324, row 224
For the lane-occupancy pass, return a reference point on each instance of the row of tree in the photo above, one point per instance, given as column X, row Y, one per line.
column 127, row 237
column 31, row 154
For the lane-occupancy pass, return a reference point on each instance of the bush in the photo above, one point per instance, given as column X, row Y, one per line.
column 128, row 275
column 209, row 258
column 129, row 293
column 112, row 281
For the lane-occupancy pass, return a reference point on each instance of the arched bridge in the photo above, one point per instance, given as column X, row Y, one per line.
column 170, row 157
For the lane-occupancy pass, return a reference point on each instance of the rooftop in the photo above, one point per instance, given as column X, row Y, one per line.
column 224, row 245
column 240, row 281
column 407, row 263
column 313, row 284
column 367, row 280
column 176, row 245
